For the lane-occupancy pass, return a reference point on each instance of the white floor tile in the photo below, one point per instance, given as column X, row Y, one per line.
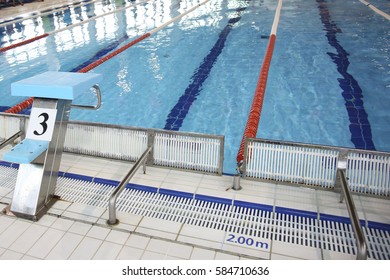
column 200, row 242
column 153, row 232
column 294, row 250
column 159, row 224
column 5, row 222
column 283, row 257
column 98, row 232
column 62, row 224
column 138, row 241
column 46, row 243
column 224, row 256
column 87, row 210
column 332, row 255
column 28, row 238
column 11, row 255
column 65, row 246
column 181, row 251
column 12, row 233
column 147, row 255
column 117, row 237
column 86, row 249
column 158, row 246
column 108, row 251
column 80, row 228
column 203, row 233
column 202, row 254
column 130, row 253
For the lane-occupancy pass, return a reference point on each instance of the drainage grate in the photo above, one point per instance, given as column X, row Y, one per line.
column 239, row 217
column 256, row 220
column 8, row 177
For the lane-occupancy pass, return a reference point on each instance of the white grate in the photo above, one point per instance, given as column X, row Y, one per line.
column 192, row 152
column 8, row 177
column 291, row 163
column 109, row 142
column 309, row 231
column 369, row 173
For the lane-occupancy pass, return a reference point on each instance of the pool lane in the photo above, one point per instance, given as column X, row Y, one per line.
column 359, row 126
column 178, row 113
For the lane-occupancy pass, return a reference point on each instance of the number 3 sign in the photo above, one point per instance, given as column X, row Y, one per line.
column 41, row 125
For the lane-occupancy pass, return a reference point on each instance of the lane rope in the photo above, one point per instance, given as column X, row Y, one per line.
column 17, row 108
column 139, row 39
column 257, row 103
column 52, row 9
column 376, row 10
column 12, row 46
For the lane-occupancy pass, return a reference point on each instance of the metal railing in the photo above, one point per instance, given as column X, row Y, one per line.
column 10, row 139
column 112, row 220
column 357, row 229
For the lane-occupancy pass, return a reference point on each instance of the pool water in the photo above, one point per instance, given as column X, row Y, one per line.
column 328, row 84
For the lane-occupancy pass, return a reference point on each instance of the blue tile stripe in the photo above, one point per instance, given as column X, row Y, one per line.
column 238, row 203
column 100, row 54
column 359, row 126
column 178, row 113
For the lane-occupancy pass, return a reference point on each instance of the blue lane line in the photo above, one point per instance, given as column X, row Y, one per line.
column 101, row 53
column 359, row 126
column 178, row 113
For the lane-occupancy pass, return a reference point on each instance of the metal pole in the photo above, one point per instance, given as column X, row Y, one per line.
column 359, row 235
column 112, row 220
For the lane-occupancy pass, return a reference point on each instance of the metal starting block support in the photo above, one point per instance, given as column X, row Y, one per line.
column 39, row 154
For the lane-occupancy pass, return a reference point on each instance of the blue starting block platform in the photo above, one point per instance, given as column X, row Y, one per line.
column 53, row 94
column 26, row 151
column 57, row 85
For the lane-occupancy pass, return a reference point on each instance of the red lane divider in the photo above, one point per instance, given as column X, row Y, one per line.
column 28, row 102
column 114, row 53
column 257, row 103
column 21, row 106
column 24, row 42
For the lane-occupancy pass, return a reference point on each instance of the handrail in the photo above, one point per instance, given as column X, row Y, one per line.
column 87, row 107
column 359, row 235
column 112, row 220
column 10, row 139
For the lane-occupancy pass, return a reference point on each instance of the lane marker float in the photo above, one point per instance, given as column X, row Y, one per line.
column 257, row 103
column 20, row 106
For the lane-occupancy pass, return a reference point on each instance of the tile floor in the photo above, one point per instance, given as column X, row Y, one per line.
column 78, row 231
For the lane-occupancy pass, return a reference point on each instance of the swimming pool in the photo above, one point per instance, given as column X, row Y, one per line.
column 330, row 68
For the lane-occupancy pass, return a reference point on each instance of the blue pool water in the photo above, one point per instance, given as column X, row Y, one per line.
column 329, row 81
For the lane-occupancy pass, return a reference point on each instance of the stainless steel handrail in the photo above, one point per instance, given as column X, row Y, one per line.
column 10, row 139
column 87, row 107
column 112, row 220
column 359, row 235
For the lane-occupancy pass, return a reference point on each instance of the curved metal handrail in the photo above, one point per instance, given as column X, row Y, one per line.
column 359, row 235
column 10, row 139
column 88, row 107
column 112, row 220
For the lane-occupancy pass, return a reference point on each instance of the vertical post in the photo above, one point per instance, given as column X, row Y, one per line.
column 39, row 154
column 36, row 181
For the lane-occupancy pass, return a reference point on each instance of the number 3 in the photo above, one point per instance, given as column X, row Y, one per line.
column 43, row 124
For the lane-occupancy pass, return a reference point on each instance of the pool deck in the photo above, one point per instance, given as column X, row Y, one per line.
column 79, row 231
